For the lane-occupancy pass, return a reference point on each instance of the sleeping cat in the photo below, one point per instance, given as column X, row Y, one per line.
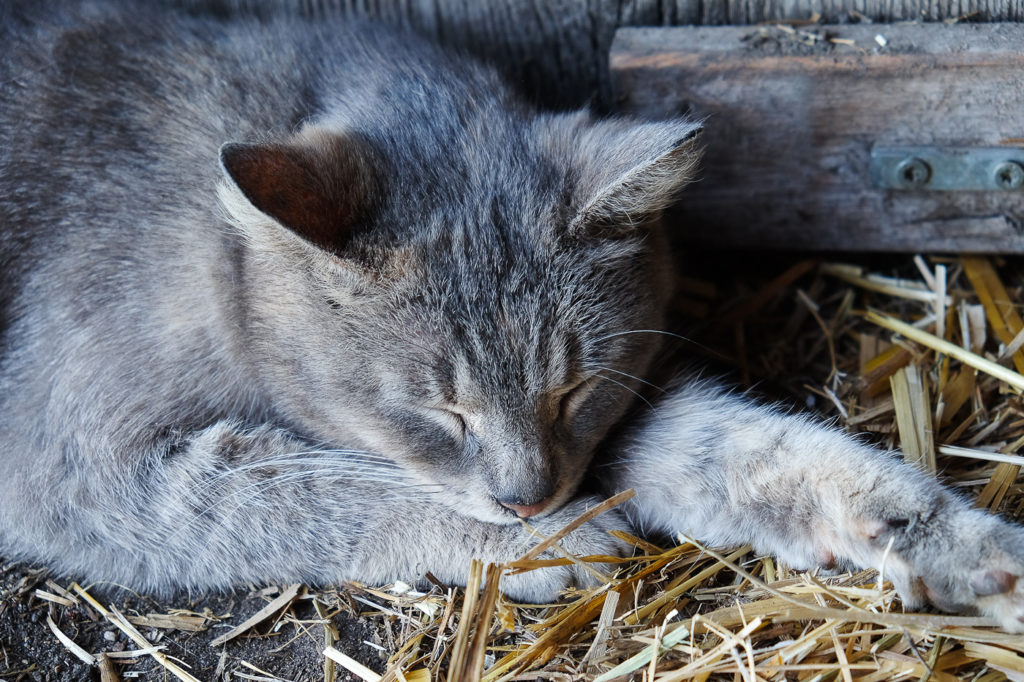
column 308, row 302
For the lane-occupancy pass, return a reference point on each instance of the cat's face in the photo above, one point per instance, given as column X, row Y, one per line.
column 499, row 373
column 486, row 334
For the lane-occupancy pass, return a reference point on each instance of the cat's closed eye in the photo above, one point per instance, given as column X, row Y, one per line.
column 571, row 400
column 454, row 420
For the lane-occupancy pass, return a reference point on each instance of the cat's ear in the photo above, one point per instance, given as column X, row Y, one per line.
column 633, row 172
column 317, row 186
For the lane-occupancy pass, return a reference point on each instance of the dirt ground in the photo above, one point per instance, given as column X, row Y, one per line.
column 288, row 649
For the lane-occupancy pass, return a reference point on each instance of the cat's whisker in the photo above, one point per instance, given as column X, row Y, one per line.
column 351, row 460
column 645, row 331
column 619, row 383
column 685, row 339
column 249, row 493
column 323, row 456
column 293, row 476
column 347, row 469
column 630, row 376
column 262, row 487
column 343, row 477
column 324, row 449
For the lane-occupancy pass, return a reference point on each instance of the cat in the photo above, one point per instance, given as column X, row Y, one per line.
column 315, row 302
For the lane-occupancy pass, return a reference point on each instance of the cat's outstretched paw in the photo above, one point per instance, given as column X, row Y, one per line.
column 544, row 585
column 959, row 560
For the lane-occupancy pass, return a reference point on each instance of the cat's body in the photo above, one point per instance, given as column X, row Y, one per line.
column 402, row 309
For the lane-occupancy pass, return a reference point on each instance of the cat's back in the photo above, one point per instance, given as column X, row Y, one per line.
column 119, row 268
column 112, row 113
column 131, row 104
column 110, row 122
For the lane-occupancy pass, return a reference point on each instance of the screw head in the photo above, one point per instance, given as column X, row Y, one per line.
column 1009, row 175
column 913, row 172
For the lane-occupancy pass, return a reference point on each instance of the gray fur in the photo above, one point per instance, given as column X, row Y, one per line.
column 813, row 497
column 398, row 307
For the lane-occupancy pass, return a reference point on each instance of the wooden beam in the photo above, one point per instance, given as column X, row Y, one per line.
column 792, row 116
column 558, row 49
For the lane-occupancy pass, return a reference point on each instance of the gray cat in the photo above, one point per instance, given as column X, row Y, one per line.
column 316, row 302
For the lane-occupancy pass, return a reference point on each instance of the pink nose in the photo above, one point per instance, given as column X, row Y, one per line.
column 525, row 511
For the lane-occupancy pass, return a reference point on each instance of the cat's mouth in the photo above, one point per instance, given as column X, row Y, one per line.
column 489, row 509
column 478, row 502
column 525, row 511
column 512, row 512
column 548, row 505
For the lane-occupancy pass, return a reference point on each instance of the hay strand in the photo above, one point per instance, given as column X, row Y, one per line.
column 942, row 346
column 351, row 665
column 119, row 621
column 283, row 600
column 69, row 644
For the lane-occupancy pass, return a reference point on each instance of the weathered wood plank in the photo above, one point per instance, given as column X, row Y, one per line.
column 790, row 127
column 558, row 49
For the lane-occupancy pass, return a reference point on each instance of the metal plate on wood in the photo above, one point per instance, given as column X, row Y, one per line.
column 792, row 116
column 948, row 169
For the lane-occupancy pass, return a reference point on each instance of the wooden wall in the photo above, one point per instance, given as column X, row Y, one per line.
column 558, row 49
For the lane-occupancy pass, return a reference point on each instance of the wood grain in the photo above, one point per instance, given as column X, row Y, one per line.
column 790, row 127
column 558, row 49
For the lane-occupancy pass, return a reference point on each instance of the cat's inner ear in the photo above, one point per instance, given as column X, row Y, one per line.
column 317, row 186
column 639, row 172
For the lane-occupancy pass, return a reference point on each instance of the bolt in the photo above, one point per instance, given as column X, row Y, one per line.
column 1009, row 175
column 913, row 172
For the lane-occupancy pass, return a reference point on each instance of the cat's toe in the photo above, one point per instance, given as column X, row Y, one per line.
column 595, row 538
column 982, row 572
column 538, row 586
column 999, row 594
column 544, row 585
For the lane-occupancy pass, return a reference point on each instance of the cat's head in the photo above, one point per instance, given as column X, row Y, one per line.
column 479, row 307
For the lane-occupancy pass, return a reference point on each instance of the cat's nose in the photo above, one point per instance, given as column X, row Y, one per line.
column 525, row 511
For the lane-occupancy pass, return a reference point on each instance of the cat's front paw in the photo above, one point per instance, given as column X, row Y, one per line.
column 544, row 585
column 960, row 560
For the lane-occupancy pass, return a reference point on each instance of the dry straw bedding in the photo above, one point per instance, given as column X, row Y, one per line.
column 927, row 357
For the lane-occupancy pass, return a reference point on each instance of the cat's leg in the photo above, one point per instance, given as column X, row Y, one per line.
column 722, row 470
column 230, row 505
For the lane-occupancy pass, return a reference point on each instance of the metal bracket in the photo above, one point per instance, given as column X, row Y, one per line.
column 948, row 168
